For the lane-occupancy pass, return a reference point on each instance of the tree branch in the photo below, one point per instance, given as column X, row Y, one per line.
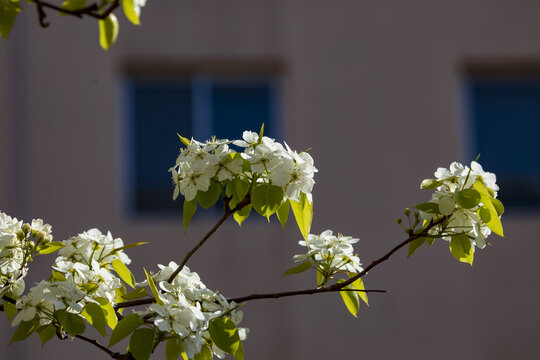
column 114, row 355
column 228, row 213
column 90, row 10
column 342, row 285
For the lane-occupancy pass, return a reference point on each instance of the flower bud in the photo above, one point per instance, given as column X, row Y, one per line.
column 26, row 228
column 21, row 235
column 407, row 212
column 48, row 239
column 41, row 236
column 398, row 221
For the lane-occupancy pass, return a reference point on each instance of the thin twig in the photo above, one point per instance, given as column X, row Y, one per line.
column 342, row 285
column 90, row 10
column 225, row 216
column 114, row 355
column 132, row 303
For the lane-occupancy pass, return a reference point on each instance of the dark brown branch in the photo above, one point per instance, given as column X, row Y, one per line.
column 342, row 285
column 90, row 11
column 228, row 213
column 132, row 303
column 114, row 355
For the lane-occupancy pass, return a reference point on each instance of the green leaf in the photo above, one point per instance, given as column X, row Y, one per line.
column 24, row 330
column 415, row 245
column 125, row 327
column 320, row 278
column 130, row 11
column 350, row 298
column 430, row 241
column 225, row 335
column 50, row 247
column 136, row 294
column 8, row 13
column 303, row 213
column 9, row 309
column 237, row 189
column 95, row 315
column 209, row 197
column 73, row 4
column 429, row 184
column 46, row 333
column 73, row 324
column 467, row 198
column 153, row 287
column 129, row 246
column 494, row 222
column 239, row 354
column 241, row 215
column 108, row 310
column 205, row 354
column 358, row 284
column 108, row 31
column 123, row 271
column 141, row 343
column 184, row 140
column 266, row 199
column 57, row 275
column 306, row 265
column 174, row 348
column 283, row 213
column 261, row 134
column 429, row 208
column 498, row 206
column 461, row 248
column 190, row 207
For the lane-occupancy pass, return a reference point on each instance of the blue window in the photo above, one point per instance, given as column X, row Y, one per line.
column 198, row 106
column 505, row 114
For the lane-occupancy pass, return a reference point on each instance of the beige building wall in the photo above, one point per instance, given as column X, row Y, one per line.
column 374, row 88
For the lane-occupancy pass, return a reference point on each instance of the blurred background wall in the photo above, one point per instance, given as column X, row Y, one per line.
column 383, row 92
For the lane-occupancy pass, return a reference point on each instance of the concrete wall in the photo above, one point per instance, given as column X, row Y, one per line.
column 374, row 88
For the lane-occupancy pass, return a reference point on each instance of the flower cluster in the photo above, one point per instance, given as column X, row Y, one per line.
column 186, row 307
column 86, row 260
column 18, row 242
column 331, row 253
column 467, row 196
column 263, row 161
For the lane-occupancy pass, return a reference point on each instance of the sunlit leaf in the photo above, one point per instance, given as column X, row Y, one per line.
column 125, row 327
column 225, row 335
column 123, row 271
column 306, row 265
column 108, row 31
column 462, row 249
column 303, row 213
column 190, row 207
column 141, row 343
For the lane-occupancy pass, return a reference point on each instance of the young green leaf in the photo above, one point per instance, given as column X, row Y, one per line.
column 46, row 333
column 239, row 354
column 190, row 207
column 184, row 140
column 204, row 354
column 57, row 275
column 429, row 207
column 50, row 247
column 208, row 198
column 498, row 206
column 415, row 245
column 73, row 324
column 320, row 278
column 462, row 249
column 125, row 327
column 129, row 246
column 9, row 309
column 108, row 31
column 306, row 265
column 141, row 343
column 108, row 311
column 429, row 184
column 494, row 222
column 358, row 284
column 130, row 11
column 174, row 348
column 241, row 215
column 467, row 198
column 303, row 213
column 24, row 330
column 136, row 294
column 73, row 4
column 237, row 189
column 95, row 315
column 153, row 287
column 8, row 13
column 283, row 213
column 350, row 298
column 261, row 134
column 225, row 335
column 123, row 271
column 266, row 199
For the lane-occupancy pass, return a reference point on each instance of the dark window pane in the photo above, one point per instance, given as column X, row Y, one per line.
column 243, row 105
column 161, row 110
column 506, row 114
